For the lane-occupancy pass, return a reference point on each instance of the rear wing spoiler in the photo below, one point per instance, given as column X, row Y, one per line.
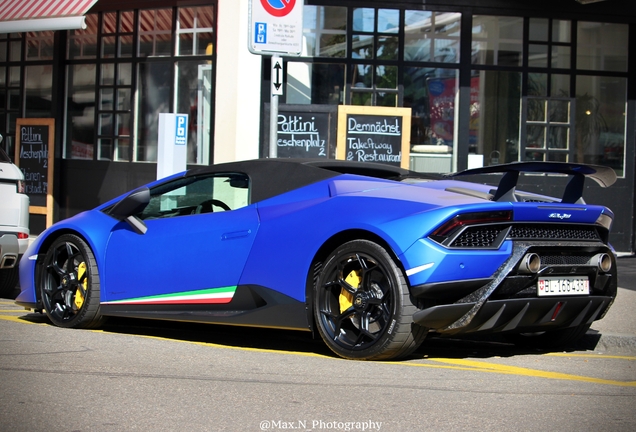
column 604, row 176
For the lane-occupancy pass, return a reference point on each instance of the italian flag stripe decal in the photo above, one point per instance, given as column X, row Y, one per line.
column 205, row 296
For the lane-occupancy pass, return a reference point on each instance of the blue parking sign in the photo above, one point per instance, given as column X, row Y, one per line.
column 260, row 33
column 181, row 129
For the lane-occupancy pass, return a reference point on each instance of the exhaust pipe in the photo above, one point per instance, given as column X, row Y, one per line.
column 530, row 264
column 8, row 261
column 603, row 261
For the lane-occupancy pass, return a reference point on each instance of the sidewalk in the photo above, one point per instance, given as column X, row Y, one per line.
column 617, row 330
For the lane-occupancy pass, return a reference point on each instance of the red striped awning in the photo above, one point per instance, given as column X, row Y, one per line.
column 42, row 14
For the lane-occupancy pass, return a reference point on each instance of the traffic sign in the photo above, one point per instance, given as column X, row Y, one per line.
column 276, row 27
column 277, row 76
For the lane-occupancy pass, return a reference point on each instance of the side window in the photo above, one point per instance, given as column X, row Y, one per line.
column 197, row 195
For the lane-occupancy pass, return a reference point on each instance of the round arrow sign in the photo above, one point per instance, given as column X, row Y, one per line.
column 278, row 8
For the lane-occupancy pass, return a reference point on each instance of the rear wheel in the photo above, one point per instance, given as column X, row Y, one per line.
column 362, row 305
column 69, row 284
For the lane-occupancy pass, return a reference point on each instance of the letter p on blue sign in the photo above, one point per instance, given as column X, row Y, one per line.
column 181, row 130
column 260, row 33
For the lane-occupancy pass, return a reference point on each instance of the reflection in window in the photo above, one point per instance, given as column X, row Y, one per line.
column 82, row 43
column 194, row 31
column 430, row 93
column 324, row 31
column 600, row 121
column 194, row 97
column 315, row 83
column 39, row 45
column 154, row 98
column 80, row 107
column 197, row 195
column 38, row 88
column 602, row 46
column 431, row 36
column 155, row 32
column 497, row 40
column 497, row 94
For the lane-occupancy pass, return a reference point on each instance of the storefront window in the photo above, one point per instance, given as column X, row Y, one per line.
column 155, row 32
column 495, row 116
column 194, row 97
column 497, row 40
column 602, row 46
column 82, row 44
column 600, row 121
column 155, row 79
column 324, row 31
column 39, row 45
column 80, row 110
column 315, row 83
column 9, row 89
column 431, row 36
column 38, row 88
column 194, row 31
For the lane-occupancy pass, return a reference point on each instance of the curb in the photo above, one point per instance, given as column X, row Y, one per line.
column 608, row 342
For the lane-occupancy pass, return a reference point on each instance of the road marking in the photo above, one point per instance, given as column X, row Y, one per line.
column 521, row 371
column 603, row 356
column 16, row 319
column 440, row 363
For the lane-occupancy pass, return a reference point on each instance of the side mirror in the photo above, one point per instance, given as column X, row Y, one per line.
column 127, row 208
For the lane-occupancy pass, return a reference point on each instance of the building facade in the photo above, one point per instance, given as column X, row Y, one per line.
column 486, row 82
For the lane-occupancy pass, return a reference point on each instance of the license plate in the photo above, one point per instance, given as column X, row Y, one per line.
column 563, row 286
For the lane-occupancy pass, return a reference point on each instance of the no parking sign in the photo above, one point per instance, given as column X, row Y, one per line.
column 276, row 27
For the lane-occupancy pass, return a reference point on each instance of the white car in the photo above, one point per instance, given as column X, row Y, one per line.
column 14, row 223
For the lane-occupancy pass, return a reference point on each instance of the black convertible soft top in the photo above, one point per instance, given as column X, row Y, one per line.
column 272, row 177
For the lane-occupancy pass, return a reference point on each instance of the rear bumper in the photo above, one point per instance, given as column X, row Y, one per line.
column 508, row 301
column 9, row 251
column 515, row 315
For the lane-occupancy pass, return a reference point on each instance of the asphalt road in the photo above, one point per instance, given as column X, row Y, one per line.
column 144, row 375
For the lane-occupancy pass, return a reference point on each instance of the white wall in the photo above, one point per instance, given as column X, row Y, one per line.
column 238, row 86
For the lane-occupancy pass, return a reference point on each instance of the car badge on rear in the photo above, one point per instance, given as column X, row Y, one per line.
column 560, row 216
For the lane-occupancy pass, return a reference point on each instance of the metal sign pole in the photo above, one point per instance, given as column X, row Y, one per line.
column 273, row 113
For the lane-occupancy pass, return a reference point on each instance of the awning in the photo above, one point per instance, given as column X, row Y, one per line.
column 39, row 15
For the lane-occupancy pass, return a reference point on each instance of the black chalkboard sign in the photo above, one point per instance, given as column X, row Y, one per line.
column 34, row 157
column 374, row 134
column 304, row 131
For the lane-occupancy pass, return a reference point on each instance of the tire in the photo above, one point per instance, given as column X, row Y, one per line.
column 362, row 306
column 8, row 281
column 69, row 284
column 549, row 339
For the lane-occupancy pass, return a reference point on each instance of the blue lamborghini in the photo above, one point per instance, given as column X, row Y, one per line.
column 373, row 257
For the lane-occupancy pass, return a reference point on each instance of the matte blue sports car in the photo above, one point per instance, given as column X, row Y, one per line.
column 372, row 256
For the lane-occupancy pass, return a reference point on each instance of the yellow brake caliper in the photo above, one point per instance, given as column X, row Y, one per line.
column 79, row 296
column 346, row 298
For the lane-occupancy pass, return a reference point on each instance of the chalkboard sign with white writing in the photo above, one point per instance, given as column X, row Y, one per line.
column 374, row 134
column 34, row 151
column 304, row 131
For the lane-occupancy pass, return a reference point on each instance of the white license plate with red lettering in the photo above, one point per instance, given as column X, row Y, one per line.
column 563, row 286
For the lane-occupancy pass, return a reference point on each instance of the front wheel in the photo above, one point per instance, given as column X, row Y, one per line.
column 362, row 306
column 69, row 284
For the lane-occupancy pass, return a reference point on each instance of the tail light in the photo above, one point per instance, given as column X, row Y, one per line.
column 20, row 186
column 471, row 219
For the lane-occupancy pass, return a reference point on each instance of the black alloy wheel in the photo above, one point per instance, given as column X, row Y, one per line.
column 362, row 306
column 69, row 284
